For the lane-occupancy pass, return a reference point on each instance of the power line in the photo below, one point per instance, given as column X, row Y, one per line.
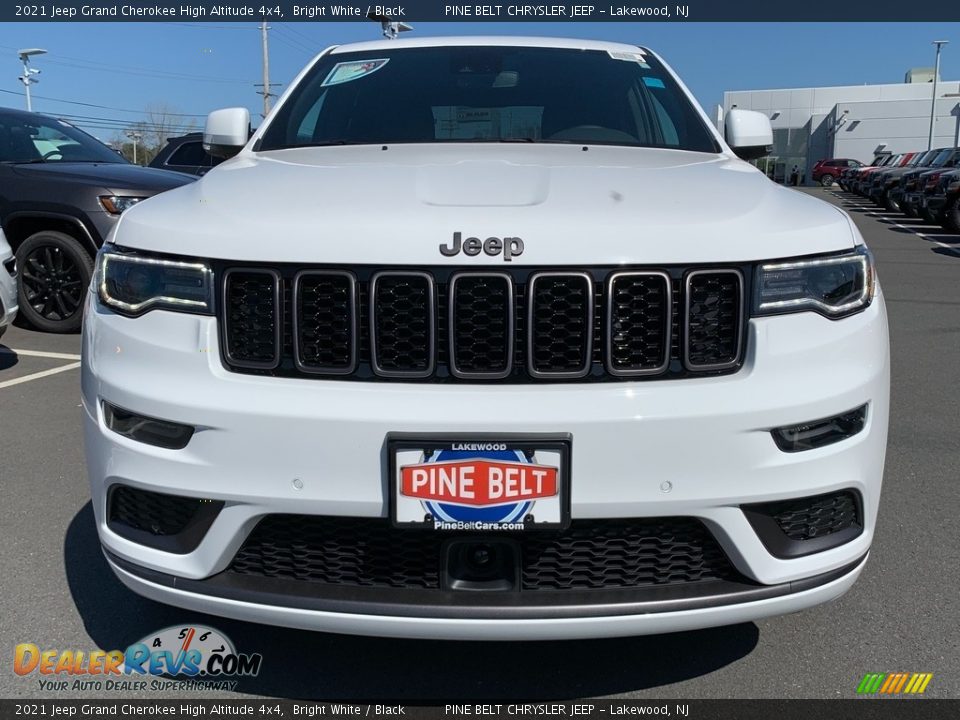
column 293, row 42
column 155, row 74
column 100, row 107
column 206, row 26
column 86, row 64
column 310, row 40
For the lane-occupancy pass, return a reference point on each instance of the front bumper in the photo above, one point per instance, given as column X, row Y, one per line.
column 935, row 202
column 693, row 448
column 8, row 292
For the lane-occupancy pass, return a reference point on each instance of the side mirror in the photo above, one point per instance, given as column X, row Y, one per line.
column 226, row 131
column 748, row 133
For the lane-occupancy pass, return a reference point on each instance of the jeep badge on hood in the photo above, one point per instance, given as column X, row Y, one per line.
column 509, row 247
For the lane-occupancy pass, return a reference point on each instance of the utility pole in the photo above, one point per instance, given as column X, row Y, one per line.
column 28, row 78
column 933, row 101
column 136, row 136
column 266, row 70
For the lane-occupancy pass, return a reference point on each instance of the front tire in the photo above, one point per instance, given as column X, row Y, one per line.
column 951, row 215
column 55, row 271
column 890, row 204
column 826, row 180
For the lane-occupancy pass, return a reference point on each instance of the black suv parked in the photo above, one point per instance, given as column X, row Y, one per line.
column 185, row 154
column 61, row 191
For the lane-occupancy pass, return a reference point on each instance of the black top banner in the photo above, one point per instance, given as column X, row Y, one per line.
column 437, row 10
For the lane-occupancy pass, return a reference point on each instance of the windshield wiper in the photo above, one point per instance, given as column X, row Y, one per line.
column 324, row 143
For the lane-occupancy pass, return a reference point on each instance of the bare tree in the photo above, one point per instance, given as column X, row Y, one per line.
column 163, row 122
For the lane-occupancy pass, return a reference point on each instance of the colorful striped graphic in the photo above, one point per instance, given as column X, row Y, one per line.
column 894, row 683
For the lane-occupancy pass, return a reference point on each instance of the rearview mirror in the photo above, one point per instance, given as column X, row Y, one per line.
column 226, row 131
column 748, row 133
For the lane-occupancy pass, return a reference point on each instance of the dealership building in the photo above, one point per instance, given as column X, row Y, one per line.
column 855, row 121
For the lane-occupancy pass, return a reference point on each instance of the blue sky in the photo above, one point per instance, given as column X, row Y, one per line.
column 196, row 67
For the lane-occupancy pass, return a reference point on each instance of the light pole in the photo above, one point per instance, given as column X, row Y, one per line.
column 28, row 78
column 933, row 102
column 135, row 136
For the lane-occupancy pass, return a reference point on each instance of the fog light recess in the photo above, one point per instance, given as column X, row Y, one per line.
column 819, row 433
column 152, row 431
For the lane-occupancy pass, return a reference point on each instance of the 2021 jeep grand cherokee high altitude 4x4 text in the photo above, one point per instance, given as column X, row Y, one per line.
column 446, row 351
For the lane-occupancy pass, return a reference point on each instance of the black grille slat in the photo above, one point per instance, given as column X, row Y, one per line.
column 481, row 325
column 403, row 315
column 714, row 310
column 325, row 322
column 578, row 326
column 589, row 555
column 639, row 323
column 252, row 307
column 560, row 325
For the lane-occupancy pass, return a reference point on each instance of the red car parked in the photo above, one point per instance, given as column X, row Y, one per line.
column 826, row 171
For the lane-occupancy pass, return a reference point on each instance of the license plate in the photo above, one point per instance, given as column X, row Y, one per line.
column 479, row 483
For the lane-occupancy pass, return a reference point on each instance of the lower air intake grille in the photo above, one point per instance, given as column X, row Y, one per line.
column 155, row 513
column 591, row 554
column 815, row 517
column 803, row 526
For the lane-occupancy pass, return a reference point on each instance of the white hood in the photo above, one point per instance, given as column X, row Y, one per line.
column 571, row 206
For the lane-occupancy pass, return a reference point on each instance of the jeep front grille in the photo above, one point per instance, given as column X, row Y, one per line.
column 516, row 325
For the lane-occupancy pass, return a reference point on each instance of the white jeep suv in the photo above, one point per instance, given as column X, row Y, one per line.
column 486, row 338
column 8, row 285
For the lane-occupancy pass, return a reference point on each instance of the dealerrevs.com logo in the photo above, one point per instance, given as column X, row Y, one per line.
column 178, row 657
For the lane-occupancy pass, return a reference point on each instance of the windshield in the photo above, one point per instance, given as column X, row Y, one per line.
column 488, row 94
column 941, row 159
column 35, row 138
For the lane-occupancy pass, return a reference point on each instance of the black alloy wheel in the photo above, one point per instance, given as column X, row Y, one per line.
column 55, row 271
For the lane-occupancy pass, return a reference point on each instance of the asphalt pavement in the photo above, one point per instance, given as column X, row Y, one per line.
column 901, row 616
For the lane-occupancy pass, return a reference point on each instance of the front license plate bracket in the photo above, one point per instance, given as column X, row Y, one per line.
column 480, row 483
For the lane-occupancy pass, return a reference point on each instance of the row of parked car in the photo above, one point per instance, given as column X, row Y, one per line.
column 923, row 184
column 61, row 192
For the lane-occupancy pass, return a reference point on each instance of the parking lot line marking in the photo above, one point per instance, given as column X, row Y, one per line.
column 38, row 375
column 39, row 354
column 874, row 213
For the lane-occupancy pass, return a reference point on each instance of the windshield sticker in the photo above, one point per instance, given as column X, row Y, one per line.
column 348, row 71
column 653, row 82
column 637, row 57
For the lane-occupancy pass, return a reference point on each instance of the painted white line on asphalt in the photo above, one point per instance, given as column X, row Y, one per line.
column 38, row 375
column 876, row 214
column 39, row 354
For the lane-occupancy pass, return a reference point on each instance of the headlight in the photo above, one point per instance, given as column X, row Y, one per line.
column 116, row 204
column 133, row 283
column 833, row 286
